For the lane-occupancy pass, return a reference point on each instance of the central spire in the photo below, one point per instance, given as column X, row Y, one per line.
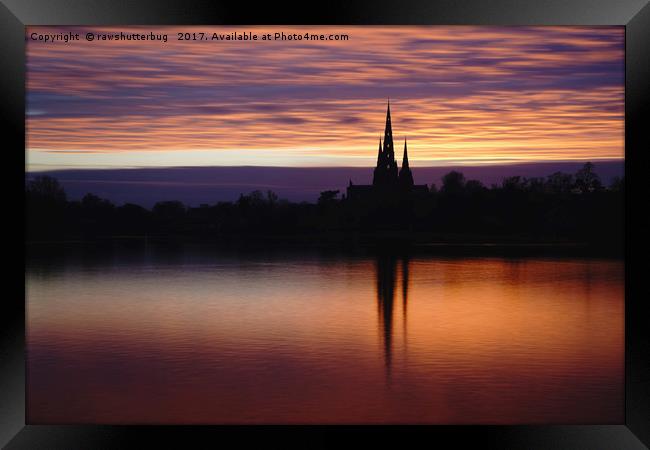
column 389, row 154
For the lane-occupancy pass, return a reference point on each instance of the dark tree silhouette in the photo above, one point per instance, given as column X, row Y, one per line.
column 474, row 186
column 169, row 210
column 617, row 184
column 94, row 204
column 45, row 207
column 327, row 197
column 515, row 183
column 559, row 182
column 271, row 198
column 45, row 188
column 558, row 207
column 587, row 180
column 453, row 183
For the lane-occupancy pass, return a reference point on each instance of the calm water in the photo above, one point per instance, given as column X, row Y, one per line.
column 195, row 336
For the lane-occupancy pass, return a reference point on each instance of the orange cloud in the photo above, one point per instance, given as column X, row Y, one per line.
column 482, row 94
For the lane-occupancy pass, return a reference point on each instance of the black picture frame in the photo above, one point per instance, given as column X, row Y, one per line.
column 633, row 14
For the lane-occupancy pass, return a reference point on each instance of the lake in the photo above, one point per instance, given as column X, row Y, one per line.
column 192, row 334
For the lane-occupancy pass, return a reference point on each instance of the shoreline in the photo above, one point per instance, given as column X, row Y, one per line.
column 396, row 243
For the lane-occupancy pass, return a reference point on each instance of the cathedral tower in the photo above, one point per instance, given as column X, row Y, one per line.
column 389, row 185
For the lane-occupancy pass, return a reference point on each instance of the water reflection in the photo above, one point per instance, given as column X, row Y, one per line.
column 385, row 270
column 386, row 280
column 194, row 336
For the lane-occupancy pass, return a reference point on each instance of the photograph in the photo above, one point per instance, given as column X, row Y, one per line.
column 311, row 224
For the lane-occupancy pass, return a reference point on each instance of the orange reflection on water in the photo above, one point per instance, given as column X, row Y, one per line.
column 328, row 340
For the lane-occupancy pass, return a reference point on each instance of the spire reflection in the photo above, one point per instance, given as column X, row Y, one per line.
column 386, row 269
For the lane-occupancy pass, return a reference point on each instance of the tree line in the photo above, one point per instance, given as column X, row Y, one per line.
column 560, row 206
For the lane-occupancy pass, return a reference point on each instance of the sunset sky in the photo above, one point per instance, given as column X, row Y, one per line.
column 460, row 94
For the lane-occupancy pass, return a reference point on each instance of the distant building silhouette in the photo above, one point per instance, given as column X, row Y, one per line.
column 387, row 180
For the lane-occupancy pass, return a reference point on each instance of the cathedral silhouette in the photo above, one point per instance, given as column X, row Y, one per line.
column 387, row 180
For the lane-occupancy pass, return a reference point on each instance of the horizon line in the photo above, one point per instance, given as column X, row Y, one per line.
column 56, row 167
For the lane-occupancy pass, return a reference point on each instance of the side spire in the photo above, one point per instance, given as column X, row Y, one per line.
column 405, row 175
column 405, row 159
